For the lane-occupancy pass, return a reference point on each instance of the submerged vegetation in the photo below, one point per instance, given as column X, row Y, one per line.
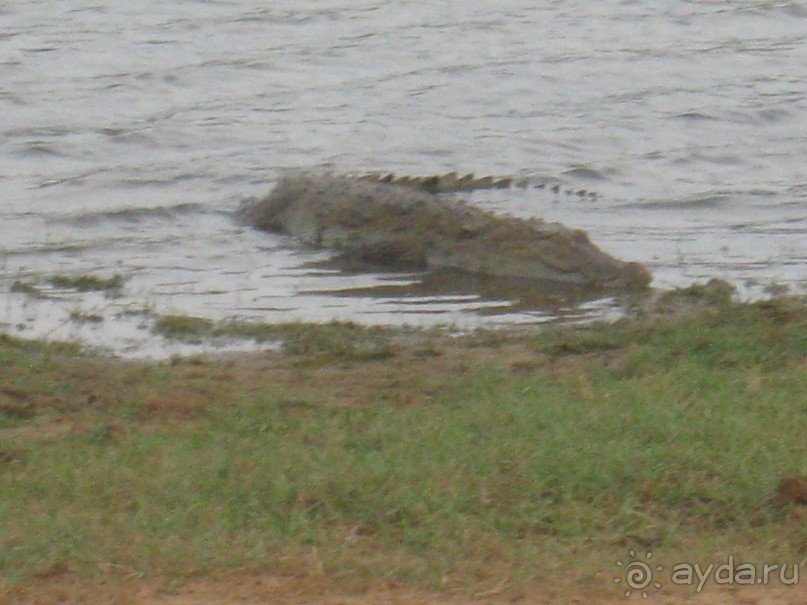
column 438, row 461
column 88, row 283
column 111, row 286
column 330, row 342
column 24, row 287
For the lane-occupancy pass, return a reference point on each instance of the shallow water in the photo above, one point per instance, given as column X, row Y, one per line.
column 130, row 133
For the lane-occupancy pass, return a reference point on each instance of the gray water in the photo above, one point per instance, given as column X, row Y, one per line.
column 130, row 132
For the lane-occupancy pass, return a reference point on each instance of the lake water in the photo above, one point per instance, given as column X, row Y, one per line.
column 130, row 132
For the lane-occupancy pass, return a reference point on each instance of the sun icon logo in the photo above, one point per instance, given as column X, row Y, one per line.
column 638, row 574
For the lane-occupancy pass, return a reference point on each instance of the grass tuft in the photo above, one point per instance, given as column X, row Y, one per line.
column 183, row 327
column 344, row 342
column 27, row 288
column 88, row 283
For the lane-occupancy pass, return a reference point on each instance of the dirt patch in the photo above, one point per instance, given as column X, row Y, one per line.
column 56, row 427
column 240, row 589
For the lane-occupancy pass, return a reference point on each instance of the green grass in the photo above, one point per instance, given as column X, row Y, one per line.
column 183, row 327
column 668, row 435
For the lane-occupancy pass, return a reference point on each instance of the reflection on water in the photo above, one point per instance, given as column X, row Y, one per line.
column 131, row 132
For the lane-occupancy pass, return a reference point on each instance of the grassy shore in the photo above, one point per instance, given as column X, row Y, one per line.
column 491, row 458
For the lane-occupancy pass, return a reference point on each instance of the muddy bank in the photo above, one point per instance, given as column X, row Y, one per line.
column 397, row 227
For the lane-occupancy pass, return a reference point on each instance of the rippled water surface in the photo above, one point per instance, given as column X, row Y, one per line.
column 131, row 132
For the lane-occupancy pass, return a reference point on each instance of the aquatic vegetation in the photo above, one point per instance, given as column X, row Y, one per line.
column 26, row 287
column 88, row 283
column 183, row 327
column 320, row 343
column 85, row 317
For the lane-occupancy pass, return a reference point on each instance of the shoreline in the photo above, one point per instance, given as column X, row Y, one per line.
column 107, row 319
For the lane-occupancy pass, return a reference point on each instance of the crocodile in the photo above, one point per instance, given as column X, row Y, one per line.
column 401, row 225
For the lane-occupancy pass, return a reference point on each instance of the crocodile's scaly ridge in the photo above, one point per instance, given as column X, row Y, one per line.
column 453, row 182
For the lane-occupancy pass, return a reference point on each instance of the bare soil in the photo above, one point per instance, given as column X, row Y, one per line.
column 237, row 589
